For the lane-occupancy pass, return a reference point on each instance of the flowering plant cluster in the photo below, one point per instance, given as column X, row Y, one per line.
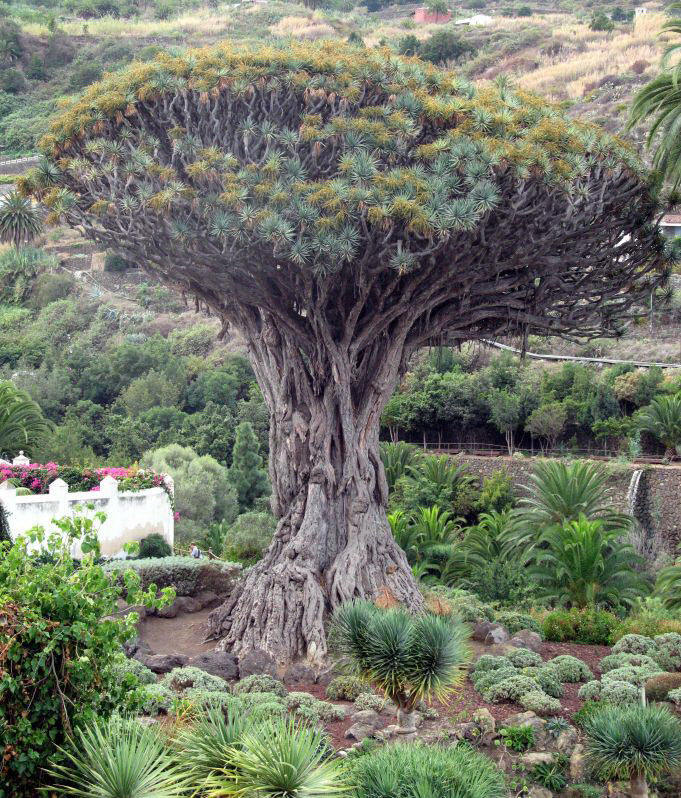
column 37, row 477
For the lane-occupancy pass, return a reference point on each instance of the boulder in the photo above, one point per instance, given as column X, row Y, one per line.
column 217, row 663
column 135, row 646
column 536, row 791
column 187, row 604
column 566, row 741
column 536, row 758
column 577, row 765
column 255, row 660
column 482, row 629
column 497, row 634
column 168, row 612
column 161, row 663
column 526, row 638
column 364, row 724
column 530, row 719
column 125, row 609
column 466, row 731
column 207, row 599
column 298, row 673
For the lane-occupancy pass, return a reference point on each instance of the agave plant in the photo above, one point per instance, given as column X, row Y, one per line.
column 205, row 748
column 582, row 563
column 662, row 418
column 559, row 492
column 397, row 457
column 635, row 743
column 20, row 220
column 280, row 759
column 117, row 758
column 409, row 658
column 22, row 423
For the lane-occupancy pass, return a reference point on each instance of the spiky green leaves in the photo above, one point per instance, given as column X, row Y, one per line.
column 20, row 219
column 407, row 657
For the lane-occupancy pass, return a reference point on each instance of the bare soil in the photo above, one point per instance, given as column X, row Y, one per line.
column 184, row 634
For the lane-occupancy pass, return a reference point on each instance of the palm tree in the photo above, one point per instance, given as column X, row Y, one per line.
column 661, row 101
column 558, row 492
column 483, row 544
column 396, row 458
column 668, row 586
column 635, row 743
column 582, row 563
column 20, row 220
column 662, row 418
column 22, row 424
column 409, row 658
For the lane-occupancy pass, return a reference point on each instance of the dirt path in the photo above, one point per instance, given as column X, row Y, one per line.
column 181, row 635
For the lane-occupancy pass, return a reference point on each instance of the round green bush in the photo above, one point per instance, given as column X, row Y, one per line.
column 591, row 691
column 634, row 675
column 624, row 660
column 635, row 644
column 510, row 689
column 370, row 701
column 124, row 666
column 580, row 626
column 515, row 621
column 523, row 658
column 614, row 692
column 483, row 681
column 260, row 683
column 346, row 688
column 306, row 706
column 154, row 546
column 675, row 696
column 569, row 669
column 156, row 698
column 539, row 702
column 659, row 687
column 668, row 651
column 488, row 662
column 409, row 770
column 546, row 678
column 181, row 679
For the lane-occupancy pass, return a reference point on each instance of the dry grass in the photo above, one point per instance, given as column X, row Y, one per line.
column 588, row 56
column 307, row 27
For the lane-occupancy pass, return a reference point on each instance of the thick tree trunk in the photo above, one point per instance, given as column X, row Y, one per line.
column 639, row 786
column 333, row 542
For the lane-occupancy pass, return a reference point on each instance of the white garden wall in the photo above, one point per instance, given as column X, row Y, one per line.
column 130, row 515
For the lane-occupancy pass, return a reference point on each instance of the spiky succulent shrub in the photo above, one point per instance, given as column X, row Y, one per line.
column 539, row 702
column 260, row 683
column 523, row 658
column 415, row 770
column 204, row 747
column 623, row 660
column 635, row 743
column 181, row 679
column 279, row 758
column 409, row 658
column 569, row 669
column 635, row 644
column 668, row 651
column 115, row 758
column 346, row 688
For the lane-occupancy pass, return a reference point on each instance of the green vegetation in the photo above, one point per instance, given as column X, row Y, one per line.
column 22, row 425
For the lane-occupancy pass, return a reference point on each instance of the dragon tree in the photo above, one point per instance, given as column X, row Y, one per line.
column 342, row 207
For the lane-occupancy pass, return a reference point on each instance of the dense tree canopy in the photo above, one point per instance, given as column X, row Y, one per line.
column 343, row 206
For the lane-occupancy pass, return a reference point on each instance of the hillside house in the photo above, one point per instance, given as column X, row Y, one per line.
column 476, row 21
column 671, row 225
column 425, row 17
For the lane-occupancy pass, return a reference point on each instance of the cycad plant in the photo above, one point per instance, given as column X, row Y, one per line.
column 582, row 563
column 117, row 758
column 20, row 220
column 427, row 536
column 482, row 544
column 409, row 658
column 22, row 424
column 662, row 418
column 433, row 481
column 559, row 492
column 280, row 759
column 668, row 586
column 635, row 743
column 396, row 458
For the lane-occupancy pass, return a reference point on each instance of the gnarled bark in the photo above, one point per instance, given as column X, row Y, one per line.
column 333, row 541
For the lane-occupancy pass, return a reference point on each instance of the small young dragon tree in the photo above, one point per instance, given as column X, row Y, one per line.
column 342, row 207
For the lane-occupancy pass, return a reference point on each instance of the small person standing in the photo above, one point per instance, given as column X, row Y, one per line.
column 195, row 551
